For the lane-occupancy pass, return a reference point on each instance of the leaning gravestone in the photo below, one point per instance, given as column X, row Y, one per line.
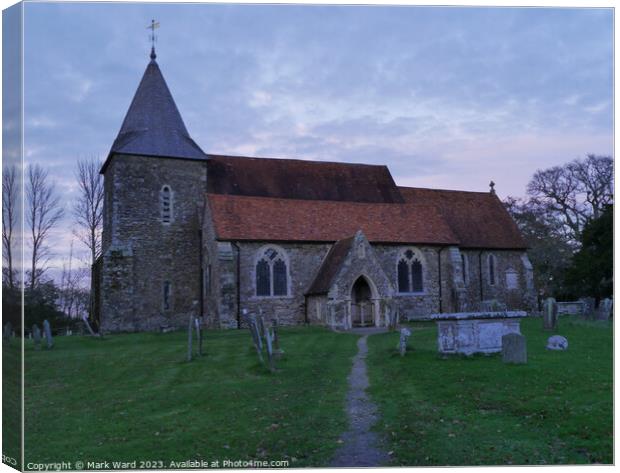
column 90, row 329
column 277, row 351
column 269, row 347
column 256, row 337
column 48, row 334
column 557, row 342
column 514, row 348
column 604, row 309
column 190, row 338
column 36, row 335
column 550, row 314
column 405, row 333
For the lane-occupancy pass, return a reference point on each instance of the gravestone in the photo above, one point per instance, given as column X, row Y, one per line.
column 605, row 309
column 8, row 331
column 48, row 334
column 36, row 336
column 405, row 333
column 277, row 351
column 550, row 314
column 269, row 348
column 190, row 337
column 90, row 329
column 260, row 327
column 589, row 304
column 557, row 342
column 514, row 348
column 256, row 337
column 198, row 327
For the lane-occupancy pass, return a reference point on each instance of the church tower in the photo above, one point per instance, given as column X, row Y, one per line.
column 155, row 176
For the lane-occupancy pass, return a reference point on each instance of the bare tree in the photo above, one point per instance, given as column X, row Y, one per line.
column 71, row 289
column 88, row 207
column 573, row 193
column 43, row 213
column 595, row 177
column 9, row 218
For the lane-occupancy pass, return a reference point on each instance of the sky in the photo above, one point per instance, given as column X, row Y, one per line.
column 445, row 97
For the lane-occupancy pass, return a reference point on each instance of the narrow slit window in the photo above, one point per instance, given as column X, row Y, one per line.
column 491, row 270
column 464, row 268
column 167, row 291
column 166, row 204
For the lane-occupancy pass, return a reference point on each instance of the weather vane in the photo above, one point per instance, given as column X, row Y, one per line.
column 153, row 26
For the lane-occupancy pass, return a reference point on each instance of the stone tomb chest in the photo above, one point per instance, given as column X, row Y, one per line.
column 475, row 332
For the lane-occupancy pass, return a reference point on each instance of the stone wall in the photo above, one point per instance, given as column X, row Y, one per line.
column 414, row 306
column 513, row 279
column 140, row 252
column 304, row 261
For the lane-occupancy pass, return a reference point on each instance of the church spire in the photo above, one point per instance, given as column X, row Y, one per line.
column 153, row 125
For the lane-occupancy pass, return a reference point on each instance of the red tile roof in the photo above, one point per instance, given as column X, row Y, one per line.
column 298, row 179
column 269, row 219
column 478, row 219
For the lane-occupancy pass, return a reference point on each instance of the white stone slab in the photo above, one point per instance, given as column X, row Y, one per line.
column 474, row 332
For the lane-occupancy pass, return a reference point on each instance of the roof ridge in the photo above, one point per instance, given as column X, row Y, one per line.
column 284, row 199
column 444, row 190
column 310, row 161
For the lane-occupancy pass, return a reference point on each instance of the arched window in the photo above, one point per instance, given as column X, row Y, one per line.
column 492, row 270
column 410, row 272
column 165, row 197
column 271, row 272
column 464, row 268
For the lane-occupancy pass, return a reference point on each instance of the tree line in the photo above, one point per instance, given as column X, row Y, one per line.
column 43, row 212
column 566, row 218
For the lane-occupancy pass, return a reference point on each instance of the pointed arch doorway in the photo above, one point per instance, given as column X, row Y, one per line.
column 362, row 303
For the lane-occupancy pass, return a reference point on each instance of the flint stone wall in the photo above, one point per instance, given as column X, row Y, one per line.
column 510, row 266
column 140, row 252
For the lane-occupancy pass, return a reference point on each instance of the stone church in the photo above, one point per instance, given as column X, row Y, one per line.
column 325, row 243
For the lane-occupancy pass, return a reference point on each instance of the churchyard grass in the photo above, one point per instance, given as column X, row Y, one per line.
column 556, row 409
column 135, row 397
column 11, row 393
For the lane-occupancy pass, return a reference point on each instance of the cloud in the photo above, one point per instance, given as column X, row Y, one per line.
column 446, row 97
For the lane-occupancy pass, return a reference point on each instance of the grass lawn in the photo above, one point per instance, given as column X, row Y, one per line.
column 133, row 397
column 557, row 409
column 11, row 402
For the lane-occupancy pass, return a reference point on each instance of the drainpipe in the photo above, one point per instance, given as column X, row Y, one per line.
column 238, row 284
column 306, row 310
column 440, row 291
column 480, row 274
column 202, row 275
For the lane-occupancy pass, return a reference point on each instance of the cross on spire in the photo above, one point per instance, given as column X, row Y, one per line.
column 153, row 26
column 492, row 186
